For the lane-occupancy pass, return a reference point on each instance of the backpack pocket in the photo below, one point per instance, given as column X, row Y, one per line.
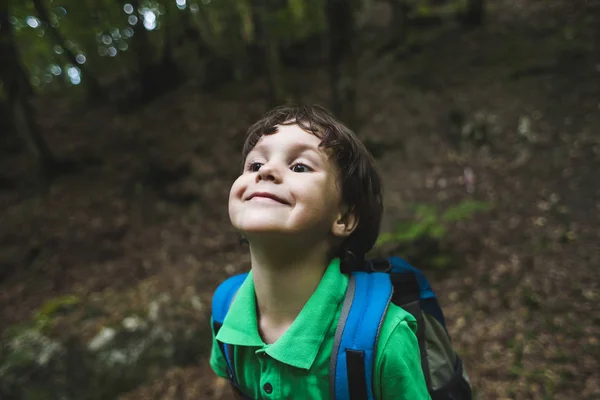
column 457, row 388
column 447, row 378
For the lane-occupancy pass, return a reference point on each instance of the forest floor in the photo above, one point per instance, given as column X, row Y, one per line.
column 516, row 102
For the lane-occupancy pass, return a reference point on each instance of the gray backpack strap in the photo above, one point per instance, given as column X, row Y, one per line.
column 339, row 330
column 414, row 307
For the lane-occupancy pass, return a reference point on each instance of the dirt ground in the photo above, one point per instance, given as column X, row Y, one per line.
column 516, row 102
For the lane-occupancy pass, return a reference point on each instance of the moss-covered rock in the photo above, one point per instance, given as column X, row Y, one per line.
column 40, row 362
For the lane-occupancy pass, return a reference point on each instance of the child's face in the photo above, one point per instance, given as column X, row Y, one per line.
column 288, row 186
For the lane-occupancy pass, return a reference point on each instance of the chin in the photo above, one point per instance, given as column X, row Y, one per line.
column 258, row 228
column 258, row 221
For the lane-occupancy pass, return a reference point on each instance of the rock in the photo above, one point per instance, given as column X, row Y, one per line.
column 197, row 303
column 116, row 360
column 133, row 324
column 102, row 339
column 524, row 129
column 31, row 345
column 153, row 311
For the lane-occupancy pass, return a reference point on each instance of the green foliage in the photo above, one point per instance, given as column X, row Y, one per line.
column 37, row 365
column 82, row 24
column 101, row 33
column 43, row 317
column 431, row 225
column 299, row 20
column 52, row 306
column 464, row 210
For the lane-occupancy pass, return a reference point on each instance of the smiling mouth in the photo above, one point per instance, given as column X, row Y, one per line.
column 267, row 196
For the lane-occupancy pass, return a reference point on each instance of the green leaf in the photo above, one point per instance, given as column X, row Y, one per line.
column 441, row 261
column 54, row 305
column 384, row 238
column 298, row 9
column 464, row 210
column 410, row 231
column 425, row 211
column 437, row 231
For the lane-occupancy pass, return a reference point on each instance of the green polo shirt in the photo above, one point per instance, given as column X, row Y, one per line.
column 296, row 366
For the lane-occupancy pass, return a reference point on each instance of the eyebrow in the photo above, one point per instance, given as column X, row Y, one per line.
column 298, row 147
column 302, row 147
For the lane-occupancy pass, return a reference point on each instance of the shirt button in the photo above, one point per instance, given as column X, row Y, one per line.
column 268, row 388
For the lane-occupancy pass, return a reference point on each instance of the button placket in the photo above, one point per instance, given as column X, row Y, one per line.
column 269, row 379
column 263, row 362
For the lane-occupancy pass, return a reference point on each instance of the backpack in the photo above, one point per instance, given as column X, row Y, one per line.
column 369, row 293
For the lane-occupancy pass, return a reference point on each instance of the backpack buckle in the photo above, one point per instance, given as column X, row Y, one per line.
column 379, row 265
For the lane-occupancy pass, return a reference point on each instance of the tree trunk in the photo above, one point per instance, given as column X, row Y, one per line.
column 474, row 13
column 399, row 21
column 166, row 57
column 95, row 92
column 145, row 55
column 264, row 12
column 168, row 71
column 342, row 58
column 13, row 77
column 190, row 32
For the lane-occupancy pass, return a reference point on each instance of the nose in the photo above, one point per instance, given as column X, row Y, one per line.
column 269, row 172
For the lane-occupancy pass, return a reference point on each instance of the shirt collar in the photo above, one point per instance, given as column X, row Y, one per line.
column 301, row 343
column 240, row 327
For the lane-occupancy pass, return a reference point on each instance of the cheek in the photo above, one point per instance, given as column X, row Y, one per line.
column 237, row 190
column 332, row 193
column 322, row 196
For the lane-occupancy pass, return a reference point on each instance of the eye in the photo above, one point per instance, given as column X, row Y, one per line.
column 300, row 168
column 254, row 167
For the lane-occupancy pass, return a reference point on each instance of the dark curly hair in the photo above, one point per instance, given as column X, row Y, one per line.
column 360, row 183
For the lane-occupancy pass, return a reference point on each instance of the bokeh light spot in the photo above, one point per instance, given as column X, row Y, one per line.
column 128, row 32
column 132, row 20
column 80, row 58
column 72, row 71
column 149, row 20
column 55, row 69
column 33, row 22
column 128, row 8
column 115, row 33
column 74, row 74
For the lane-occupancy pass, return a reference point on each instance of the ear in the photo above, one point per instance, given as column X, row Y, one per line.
column 345, row 224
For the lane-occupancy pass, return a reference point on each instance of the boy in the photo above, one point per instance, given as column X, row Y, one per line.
column 308, row 202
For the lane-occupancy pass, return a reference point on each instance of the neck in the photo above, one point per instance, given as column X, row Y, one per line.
column 285, row 276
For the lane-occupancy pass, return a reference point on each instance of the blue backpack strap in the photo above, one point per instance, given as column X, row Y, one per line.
column 223, row 296
column 352, row 358
column 221, row 302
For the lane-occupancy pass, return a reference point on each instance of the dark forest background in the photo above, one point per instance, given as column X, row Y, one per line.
column 121, row 126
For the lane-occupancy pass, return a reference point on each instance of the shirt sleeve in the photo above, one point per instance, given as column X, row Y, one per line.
column 217, row 360
column 398, row 373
